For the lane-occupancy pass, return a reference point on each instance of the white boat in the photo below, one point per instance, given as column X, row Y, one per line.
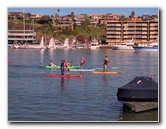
column 76, row 47
column 94, row 44
column 19, row 46
column 152, row 47
column 124, row 46
column 51, row 45
column 40, row 46
column 42, row 43
column 66, row 43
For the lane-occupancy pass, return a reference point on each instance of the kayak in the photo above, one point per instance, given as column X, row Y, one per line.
column 112, row 72
column 58, row 67
column 10, row 62
column 82, row 69
column 63, row 76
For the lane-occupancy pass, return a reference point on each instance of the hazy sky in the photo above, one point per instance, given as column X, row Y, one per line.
column 66, row 11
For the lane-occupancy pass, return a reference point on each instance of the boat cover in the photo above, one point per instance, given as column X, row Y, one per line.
column 141, row 89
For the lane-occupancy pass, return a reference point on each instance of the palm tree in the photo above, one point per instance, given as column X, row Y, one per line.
column 132, row 14
column 58, row 11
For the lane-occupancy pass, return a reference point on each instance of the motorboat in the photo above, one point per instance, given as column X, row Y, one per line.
column 76, row 47
column 151, row 46
column 124, row 46
column 94, row 44
column 141, row 94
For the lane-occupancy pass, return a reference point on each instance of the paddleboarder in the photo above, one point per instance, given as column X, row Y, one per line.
column 105, row 64
column 82, row 62
column 63, row 67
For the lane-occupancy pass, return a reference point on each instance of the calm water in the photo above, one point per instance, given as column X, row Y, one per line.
column 34, row 97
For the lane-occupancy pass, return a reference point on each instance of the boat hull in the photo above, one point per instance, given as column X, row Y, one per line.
column 140, row 106
column 145, row 48
column 122, row 48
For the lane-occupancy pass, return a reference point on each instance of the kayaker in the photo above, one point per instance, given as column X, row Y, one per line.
column 82, row 62
column 51, row 63
column 63, row 67
column 105, row 63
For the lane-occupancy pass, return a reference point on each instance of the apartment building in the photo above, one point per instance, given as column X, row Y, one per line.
column 21, row 36
column 143, row 32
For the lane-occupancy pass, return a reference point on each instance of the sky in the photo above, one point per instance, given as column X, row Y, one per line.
column 66, row 11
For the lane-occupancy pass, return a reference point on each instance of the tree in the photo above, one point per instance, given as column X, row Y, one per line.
column 122, row 18
column 28, row 14
column 132, row 14
column 45, row 19
column 58, row 11
column 72, row 15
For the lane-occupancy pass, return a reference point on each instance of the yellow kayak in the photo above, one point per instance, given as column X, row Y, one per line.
column 111, row 72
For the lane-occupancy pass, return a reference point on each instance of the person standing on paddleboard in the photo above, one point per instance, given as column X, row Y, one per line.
column 105, row 63
column 63, row 67
column 82, row 62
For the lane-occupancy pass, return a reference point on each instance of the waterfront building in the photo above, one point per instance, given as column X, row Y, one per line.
column 142, row 32
column 21, row 36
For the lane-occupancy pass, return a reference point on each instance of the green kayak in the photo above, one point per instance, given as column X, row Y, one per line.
column 58, row 67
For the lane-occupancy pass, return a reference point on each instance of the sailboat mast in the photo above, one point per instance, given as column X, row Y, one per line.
column 24, row 23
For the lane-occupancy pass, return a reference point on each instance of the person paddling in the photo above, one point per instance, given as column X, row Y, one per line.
column 105, row 64
column 82, row 62
column 51, row 63
column 63, row 67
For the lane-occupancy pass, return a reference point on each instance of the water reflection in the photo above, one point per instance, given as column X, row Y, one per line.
column 41, row 55
column 63, row 85
column 51, row 54
column 105, row 80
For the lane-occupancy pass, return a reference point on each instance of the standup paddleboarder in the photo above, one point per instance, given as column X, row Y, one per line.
column 82, row 62
column 105, row 63
column 63, row 67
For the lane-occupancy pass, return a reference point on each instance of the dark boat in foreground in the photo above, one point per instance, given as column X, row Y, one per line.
column 140, row 94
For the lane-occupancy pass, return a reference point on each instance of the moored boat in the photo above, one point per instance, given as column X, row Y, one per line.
column 94, row 44
column 124, row 46
column 140, row 94
column 152, row 46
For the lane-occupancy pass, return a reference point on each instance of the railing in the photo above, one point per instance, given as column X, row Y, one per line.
column 21, row 39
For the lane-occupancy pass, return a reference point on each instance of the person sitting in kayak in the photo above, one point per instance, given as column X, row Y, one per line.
column 82, row 62
column 105, row 64
column 51, row 63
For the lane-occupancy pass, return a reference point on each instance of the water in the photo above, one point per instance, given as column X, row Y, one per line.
column 34, row 97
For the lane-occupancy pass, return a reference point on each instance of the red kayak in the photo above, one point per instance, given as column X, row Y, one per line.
column 63, row 76
column 10, row 62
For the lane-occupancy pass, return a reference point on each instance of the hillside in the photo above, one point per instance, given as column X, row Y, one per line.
column 90, row 32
